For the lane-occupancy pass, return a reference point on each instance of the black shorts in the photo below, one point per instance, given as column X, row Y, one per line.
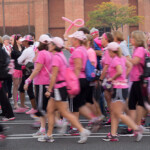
column 60, row 94
column 41, row 100
column 119, row 95
column 30, row 91
column 80, row 99
column 89, row 94
column 136, row 96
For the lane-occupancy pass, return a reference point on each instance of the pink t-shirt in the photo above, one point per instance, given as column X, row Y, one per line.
column 137, row 70
column 106, row 59
column 79, row 52
column 92, row 56
column 60, row 61
column 121, row 81
column 45, row 58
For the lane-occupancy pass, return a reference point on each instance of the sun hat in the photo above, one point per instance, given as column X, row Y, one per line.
column 78, row 35
column 113, row 46
column 27, row 38
column 94, row 31
column 45, row 39
column 58, row 42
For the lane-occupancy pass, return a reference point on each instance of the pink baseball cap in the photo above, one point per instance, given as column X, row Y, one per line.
column 27, row 38
column 58, row 42
column 113, row 46
column 45, row 39
column 78, row 35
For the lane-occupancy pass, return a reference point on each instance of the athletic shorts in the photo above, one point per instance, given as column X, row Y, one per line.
column 89, row 94
column 80, row 99
column 60, row 94
column 119, row 95
column 41, row 100
column 136, row 96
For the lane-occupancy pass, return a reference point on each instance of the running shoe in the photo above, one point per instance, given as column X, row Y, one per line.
column 36, row 124
column 143, row 122
column 126, row 131
column 139, row 133
column 36, row 118
column 2, row 137
column 46, row 138
column 111, row 138
column 108, row 123
column 31, row 111
column 8, row 119
column 84, row 136
column 73, row 132
column 20, row 110
column 63, row 128
column 39, row 134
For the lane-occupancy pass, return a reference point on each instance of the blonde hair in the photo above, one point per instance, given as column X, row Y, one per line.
column 118, row 35
column 1, row 40
column 118, row 52
column 140, row 38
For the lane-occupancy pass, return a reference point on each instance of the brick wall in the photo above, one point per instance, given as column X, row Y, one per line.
column 16, row 16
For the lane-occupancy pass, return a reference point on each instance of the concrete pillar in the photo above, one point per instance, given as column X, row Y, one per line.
column 74, row 9
column 41, row 17
column 143, row 10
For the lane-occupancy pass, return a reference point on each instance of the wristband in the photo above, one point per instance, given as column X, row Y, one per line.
column 28, row 81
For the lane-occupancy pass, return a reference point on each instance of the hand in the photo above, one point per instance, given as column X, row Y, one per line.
column 47, row 94
column 26, row 87
column 110, row 79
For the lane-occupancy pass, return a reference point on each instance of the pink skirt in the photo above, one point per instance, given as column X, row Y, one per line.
column 17, row 73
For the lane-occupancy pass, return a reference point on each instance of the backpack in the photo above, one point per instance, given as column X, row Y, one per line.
column 146, row 72
column 4, row 63
column 73, row 85
column 90, row 71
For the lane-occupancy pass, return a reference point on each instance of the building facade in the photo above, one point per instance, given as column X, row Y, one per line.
column 43, row 16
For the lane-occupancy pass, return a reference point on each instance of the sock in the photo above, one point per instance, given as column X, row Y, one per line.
column 42, row 129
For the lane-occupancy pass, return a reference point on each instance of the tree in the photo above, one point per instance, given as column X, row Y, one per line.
column 112, row 15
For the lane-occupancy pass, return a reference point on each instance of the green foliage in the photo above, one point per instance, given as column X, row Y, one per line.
column 112, row 15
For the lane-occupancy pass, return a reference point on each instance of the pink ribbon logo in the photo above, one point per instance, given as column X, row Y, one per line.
column 73, row 23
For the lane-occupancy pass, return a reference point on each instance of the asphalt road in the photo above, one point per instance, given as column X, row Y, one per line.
column 19, row 137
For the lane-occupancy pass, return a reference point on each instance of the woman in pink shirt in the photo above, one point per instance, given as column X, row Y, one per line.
column 59, row 97
column 136, row 101
column 106, row 60
column 41, row 76
column 118, row 72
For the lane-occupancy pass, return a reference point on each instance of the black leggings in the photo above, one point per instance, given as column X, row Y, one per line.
column 30, row 88
column 6, row 106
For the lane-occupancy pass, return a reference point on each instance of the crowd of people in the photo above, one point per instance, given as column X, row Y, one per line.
column 101, row 79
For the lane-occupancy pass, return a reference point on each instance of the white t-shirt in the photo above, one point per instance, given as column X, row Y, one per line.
column 27, row 56
column 124, row 48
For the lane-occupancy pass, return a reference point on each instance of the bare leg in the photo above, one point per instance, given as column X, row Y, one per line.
column 16, row 83
column 33, row 103
column 107, row 95
column 22, row 98
column 117, row 108
column 63, row 109
column 140, row 114
column 51, row 116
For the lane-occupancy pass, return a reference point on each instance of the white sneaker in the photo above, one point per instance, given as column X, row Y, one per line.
column 39, row 134
column 139, row 133
column 46, row 138
column 84, row 136
column 63, row 128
